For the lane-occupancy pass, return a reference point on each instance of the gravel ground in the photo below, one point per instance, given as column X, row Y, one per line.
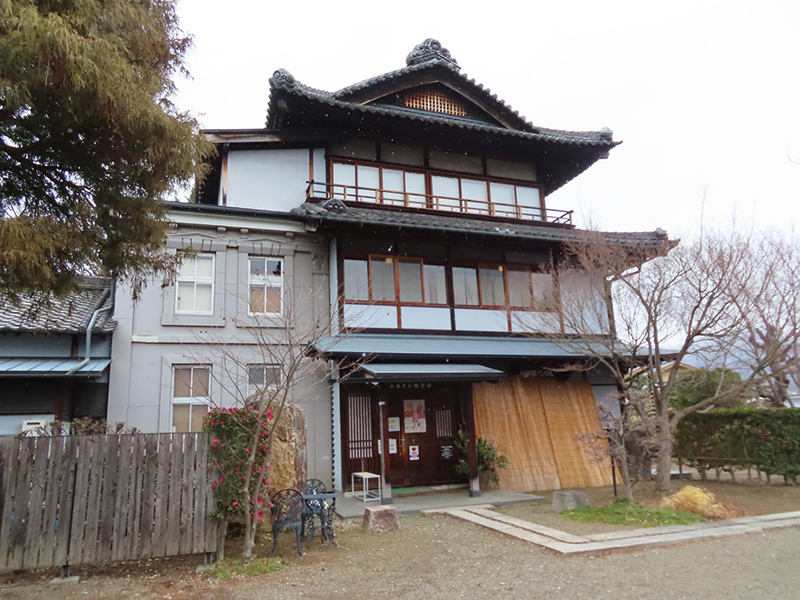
column 441, row 558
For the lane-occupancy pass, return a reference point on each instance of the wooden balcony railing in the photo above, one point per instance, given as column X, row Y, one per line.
column 318, row 190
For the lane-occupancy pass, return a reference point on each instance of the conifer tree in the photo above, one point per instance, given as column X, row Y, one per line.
column 90, row 142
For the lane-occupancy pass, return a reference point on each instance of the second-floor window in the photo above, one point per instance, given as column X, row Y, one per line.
column 499, row 286
column 409, row 281
column 391, row 279
column 195, row 285
column 266, row 286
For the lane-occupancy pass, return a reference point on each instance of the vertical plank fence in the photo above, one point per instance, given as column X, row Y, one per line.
column 87, row 499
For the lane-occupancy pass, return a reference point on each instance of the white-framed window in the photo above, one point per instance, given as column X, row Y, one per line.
column 260, row 378
column 190, row 396
column 194, row 293
column 265, row 286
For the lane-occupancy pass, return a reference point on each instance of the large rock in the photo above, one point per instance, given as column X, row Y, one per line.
column 568, row 499
column 287, row 467
column 381, row 518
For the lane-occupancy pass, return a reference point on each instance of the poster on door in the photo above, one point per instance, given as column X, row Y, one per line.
column 413, row 453
column 414, row 413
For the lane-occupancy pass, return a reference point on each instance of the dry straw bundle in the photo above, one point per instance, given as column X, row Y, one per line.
column 698, row 501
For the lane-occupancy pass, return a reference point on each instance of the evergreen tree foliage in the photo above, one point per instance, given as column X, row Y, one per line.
column 89, row 140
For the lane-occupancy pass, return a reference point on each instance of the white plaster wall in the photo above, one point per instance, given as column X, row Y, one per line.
column 481, row 319
column 425, row 317
column 269, row 179
column 363, row 316
column 525, row 321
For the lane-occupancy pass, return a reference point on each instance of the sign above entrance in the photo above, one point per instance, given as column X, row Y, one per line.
column 414, row 413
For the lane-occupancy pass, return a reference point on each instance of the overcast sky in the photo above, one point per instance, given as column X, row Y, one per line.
column 705, row 95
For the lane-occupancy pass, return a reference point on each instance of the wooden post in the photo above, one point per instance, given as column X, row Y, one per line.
column 383, row 415
column 472, row 451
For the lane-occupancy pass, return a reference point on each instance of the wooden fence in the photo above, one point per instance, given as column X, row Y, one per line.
column 87, row 499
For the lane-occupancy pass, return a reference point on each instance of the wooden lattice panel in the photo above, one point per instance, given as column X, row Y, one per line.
column 534, row 423
column 434, row 99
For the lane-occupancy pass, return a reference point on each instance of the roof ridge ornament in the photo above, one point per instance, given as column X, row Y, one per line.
column 430, row 50
column 282, row 77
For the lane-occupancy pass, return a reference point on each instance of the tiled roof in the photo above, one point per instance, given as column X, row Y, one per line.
column 69, row 314
column 333, row 213
column 282, row 81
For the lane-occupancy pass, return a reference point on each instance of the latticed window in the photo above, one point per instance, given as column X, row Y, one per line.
column 190, row 396
column 266, row 285
column 195, row 285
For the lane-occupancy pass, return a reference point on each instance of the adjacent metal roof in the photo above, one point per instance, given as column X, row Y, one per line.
column 68, row 314
column 51, row 367
column 431, row 372
column 458, row 348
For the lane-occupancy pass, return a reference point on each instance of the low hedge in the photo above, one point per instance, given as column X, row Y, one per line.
column 768, row 440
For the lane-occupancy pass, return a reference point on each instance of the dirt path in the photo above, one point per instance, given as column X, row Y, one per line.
column 440, row 558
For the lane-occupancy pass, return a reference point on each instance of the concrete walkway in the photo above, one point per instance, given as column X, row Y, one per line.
column 352, row 508
column 565, row 543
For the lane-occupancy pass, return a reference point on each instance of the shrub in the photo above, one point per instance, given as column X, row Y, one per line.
column 490, row 461
column 766, row 439
column 241, row 465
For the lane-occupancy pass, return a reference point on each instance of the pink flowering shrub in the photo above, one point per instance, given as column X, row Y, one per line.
column 239, row 446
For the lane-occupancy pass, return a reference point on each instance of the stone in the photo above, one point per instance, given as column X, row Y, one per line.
column 568, row 499
column 381, row 519
column 65, row 580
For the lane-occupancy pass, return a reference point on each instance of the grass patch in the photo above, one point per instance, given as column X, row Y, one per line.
column 257, row 566
column 623, row 512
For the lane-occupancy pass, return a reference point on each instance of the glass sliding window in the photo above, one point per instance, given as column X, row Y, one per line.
column 544, row 294
column 369, row 183
column 415, row 188
column 195, row 285
column 476, row 195
column 382, row 279
column 502, row 195
column 393, row 187
column 266, row 285
column 519, row 287
column 435, row 284
column 409, row 274
column 493, row 291
column 529, row 202
column 190, row 397
column 465, row 286
column 344, row 179
column 356, row 281
column 446, row 193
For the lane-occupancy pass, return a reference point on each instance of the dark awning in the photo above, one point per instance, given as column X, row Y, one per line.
column 51, row 367
column 430, row 372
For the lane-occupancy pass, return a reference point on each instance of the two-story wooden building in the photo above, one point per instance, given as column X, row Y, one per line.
column 414, row 206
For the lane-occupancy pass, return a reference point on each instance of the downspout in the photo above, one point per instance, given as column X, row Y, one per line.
column 89, row 328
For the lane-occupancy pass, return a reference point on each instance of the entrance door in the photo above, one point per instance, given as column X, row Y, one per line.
column 423, row 422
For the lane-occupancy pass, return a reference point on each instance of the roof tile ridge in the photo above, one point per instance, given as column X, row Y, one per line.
column 360, row 85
